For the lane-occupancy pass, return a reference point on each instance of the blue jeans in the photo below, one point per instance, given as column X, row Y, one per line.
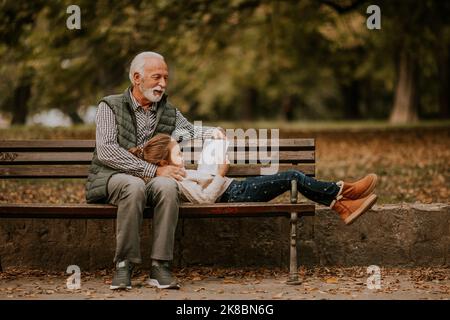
column 266, row 188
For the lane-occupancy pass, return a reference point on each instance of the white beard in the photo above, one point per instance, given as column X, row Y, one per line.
column 148, row 93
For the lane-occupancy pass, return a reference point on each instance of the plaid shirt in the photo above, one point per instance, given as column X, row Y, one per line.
column 111, row 154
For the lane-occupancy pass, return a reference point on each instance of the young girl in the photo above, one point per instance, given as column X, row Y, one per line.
column 349, row 200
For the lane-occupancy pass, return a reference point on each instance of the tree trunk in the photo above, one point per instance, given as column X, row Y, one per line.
column 406, row 96
column 250, row 104
column 351, row 96
column 444, row 83
column 367, row 98
column 288, row 103
column 193, row 110
column 22, row 95
column 75, row 117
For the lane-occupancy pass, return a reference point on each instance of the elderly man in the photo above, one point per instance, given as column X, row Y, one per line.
column 117, row 177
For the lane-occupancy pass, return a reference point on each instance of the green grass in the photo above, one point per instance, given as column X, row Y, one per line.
column 88, row 131
column 331, row 125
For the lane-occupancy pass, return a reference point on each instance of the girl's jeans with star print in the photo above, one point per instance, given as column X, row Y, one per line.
column 266, row 188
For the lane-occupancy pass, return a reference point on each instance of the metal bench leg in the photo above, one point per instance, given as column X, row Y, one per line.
column 293, row 272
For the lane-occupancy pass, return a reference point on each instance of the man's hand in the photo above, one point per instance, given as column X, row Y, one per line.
column 171, row 171
column 219, row 133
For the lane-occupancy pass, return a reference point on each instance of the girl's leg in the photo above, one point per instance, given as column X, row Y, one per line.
column 266, row 188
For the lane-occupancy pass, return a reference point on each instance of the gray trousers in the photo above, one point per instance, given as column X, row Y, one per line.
column 131, row 194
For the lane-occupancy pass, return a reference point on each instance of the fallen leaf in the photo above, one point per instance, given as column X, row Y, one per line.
column 278, row 296
column 332, row 280
column 228, row 281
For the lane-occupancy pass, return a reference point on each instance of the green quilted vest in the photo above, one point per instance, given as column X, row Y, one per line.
column 121, row 105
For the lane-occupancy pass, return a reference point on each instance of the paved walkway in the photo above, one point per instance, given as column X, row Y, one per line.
column 231, row 284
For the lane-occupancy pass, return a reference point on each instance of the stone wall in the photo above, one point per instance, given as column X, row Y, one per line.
column 388, row 235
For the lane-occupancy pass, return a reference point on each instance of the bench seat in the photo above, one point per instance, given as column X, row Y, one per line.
column 187, row 210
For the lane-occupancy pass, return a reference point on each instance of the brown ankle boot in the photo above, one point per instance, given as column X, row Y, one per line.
column 358, row 189
column 349, row 210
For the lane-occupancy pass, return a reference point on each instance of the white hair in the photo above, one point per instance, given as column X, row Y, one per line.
column 138, row 63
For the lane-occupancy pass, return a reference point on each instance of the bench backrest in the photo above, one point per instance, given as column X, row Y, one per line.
column 71, row 158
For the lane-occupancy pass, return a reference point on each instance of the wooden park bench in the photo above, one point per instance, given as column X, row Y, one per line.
column 63, row 159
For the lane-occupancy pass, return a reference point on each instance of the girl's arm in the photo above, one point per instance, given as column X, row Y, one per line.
column 223, row 167
column 212, row 191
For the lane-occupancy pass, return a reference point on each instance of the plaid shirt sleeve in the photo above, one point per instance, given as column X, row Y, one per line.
column 184, row 130
column 110, row 153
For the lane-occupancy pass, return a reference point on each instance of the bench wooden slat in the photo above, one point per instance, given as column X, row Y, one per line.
column 99, row 211
column 86, row 157
column 81, row 171
column 57, row 145
column 46, row 157
column 42, row 172
column 88, row 145
column 284, row 156
column 254, row 170
column 283, row 144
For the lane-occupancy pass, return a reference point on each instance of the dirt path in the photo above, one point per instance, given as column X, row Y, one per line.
column 323, row 283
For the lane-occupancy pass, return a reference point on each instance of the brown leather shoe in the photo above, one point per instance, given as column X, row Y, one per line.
column 359, row 189
column 349, row 210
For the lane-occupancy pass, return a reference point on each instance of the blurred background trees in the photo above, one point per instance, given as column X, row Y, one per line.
column 232, row 60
